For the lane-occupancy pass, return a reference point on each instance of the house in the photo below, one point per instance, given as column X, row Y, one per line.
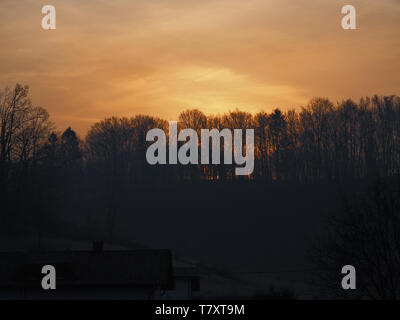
column 96, row 274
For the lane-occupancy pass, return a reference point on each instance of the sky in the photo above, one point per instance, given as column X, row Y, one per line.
column 160, row 57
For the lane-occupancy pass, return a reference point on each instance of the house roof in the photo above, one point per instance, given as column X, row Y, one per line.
column 122, row 267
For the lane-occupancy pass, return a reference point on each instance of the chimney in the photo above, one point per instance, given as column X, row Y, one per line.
column 98, row 246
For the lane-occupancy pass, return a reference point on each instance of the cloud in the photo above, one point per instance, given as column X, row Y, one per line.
column 159, row 56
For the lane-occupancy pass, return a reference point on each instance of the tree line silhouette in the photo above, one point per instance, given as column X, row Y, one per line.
column 322, row 141
column 48, row 175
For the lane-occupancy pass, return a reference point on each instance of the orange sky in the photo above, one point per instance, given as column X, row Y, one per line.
column 158, row 57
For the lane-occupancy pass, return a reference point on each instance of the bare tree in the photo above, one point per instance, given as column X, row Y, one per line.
column 366, row 235
column 23, row 129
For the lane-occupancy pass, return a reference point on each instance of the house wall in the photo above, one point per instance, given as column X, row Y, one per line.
column 183, row 291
